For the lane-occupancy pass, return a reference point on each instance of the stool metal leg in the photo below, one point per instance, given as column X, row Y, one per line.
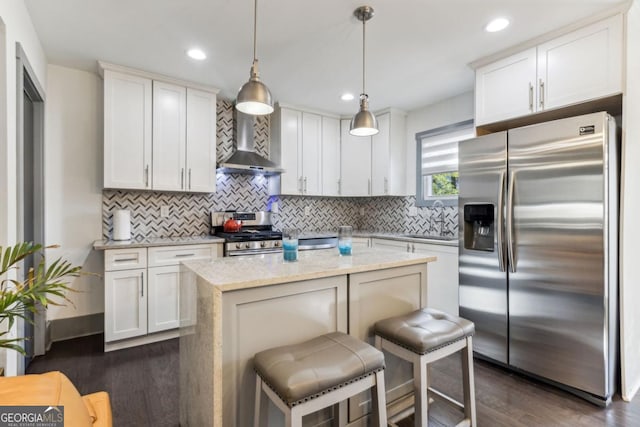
column 256, row 410
column 469, row 383
column 420, row 391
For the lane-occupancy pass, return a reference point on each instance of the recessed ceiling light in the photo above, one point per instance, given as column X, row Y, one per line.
column 196, row 53
column 347, row 97
column 497, row 24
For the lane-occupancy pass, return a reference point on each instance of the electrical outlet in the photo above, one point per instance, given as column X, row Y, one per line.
column 164, row 211
column 413, row 211
column 274, row 207
column 307, row 211
column 361, row 211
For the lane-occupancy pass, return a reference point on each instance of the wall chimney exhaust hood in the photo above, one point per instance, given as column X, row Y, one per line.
column 245, row 159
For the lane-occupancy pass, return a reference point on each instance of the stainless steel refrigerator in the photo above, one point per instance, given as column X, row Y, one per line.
column 538, row 209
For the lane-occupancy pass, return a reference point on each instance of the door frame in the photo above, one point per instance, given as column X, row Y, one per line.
column 27, row 81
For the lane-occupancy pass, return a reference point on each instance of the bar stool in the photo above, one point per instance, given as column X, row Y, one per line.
column 425, row 336
column 303, row 378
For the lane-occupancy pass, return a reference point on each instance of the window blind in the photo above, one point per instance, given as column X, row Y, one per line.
column 440, row 152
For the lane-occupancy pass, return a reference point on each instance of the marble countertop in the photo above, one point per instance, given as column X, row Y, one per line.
column 243, row 272
column 156, row 241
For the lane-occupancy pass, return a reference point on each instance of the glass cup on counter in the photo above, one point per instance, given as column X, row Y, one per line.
column 290, row 244
column 345, row 239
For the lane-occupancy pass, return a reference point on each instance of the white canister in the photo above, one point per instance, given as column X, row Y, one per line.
column 121, row 225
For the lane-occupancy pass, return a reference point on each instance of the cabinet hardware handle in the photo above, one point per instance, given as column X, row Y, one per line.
column 141, row 285
column 386, row 185
column 408, row 247
column 125, row 259
column 369, row 186
column 189, row 178
column 182, row 178
column 541, row 94
column 413, row 248
column 184, row 255
column 305, row 185
column 146, row 176
column 339, row 187
column 530, row 97
column 300, row 185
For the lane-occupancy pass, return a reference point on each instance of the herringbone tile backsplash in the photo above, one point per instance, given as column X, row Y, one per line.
column 188, row 213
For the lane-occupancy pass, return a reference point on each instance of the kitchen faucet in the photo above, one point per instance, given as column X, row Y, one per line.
column 437, row 205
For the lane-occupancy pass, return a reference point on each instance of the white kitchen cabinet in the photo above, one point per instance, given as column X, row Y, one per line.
column 160, row 133
column 355, row 162
column 442, row 276
column 296, row 139
column 330, row 156
column 142, row 292
column 163, row 299
column 169, row 136
column 360, row 242
column 127, row 131
column 125, row 304
column 201, row 141
column 442, row 288
column 388, row 155
column 582, row 65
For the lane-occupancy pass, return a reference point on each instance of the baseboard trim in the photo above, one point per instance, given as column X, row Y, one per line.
column 74, row 327
column 628, row 395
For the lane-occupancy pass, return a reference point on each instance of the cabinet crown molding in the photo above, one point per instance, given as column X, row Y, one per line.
column 102, row 66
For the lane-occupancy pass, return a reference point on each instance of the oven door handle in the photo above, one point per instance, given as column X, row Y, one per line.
column 254, row 252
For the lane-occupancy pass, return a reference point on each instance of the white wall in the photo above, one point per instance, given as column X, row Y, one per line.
column 73, row 182
column 15, row 26
column 630, row 206
column 449, row 111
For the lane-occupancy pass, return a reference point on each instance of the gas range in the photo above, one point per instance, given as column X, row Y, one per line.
column 256, row 236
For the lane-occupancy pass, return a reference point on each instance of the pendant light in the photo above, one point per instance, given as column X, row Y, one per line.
column 364, row 123
column 254, row 97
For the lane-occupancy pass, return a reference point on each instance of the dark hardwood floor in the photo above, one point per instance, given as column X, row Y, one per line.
column 143, row 385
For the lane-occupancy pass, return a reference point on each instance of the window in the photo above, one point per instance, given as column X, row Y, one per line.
column 437, row 163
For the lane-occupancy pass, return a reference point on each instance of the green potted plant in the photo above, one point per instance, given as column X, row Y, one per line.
column 41, row 285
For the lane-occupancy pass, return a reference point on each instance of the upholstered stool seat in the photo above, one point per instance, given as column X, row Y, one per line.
column 422, row 337
column 306, row 377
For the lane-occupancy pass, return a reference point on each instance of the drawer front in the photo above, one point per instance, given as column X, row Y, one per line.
column 125, row 259
column 174, row 255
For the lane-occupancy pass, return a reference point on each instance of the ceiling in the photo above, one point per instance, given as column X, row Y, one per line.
column 418, row 51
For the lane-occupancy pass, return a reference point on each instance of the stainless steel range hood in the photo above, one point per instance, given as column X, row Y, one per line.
column 245, row 159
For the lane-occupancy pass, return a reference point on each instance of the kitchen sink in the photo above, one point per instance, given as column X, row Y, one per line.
column 425, row 237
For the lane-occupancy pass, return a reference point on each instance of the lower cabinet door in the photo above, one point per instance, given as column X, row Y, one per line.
column 164, row 298
column 125, row 304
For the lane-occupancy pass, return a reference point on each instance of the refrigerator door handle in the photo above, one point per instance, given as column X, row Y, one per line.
column 500, row 223
column 509, row 223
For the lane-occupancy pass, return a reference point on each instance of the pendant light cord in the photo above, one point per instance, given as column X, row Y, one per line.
column 363, row 53
column 255, row 29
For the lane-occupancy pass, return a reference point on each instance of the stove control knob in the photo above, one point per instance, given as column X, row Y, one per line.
column 237, row 245
column 263, row 244
column 276, row 244
column 247, row 245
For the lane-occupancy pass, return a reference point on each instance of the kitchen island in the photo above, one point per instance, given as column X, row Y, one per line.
column 243, row 305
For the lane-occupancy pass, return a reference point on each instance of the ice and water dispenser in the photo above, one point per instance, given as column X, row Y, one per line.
column 479, row 226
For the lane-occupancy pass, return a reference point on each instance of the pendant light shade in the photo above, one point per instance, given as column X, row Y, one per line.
column 254, row 96
column 364, row 123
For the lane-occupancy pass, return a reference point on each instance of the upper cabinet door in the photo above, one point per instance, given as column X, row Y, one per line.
column 355, row 163
column 201, row 141
column 582, row 65
column 380, row 158
column 506, row 88
column 330, row 156
column 127, row 131
column 169, row 137
column 290, row 153
column 311, row 154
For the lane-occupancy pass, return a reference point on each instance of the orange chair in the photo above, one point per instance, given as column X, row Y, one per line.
column 55, row 389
